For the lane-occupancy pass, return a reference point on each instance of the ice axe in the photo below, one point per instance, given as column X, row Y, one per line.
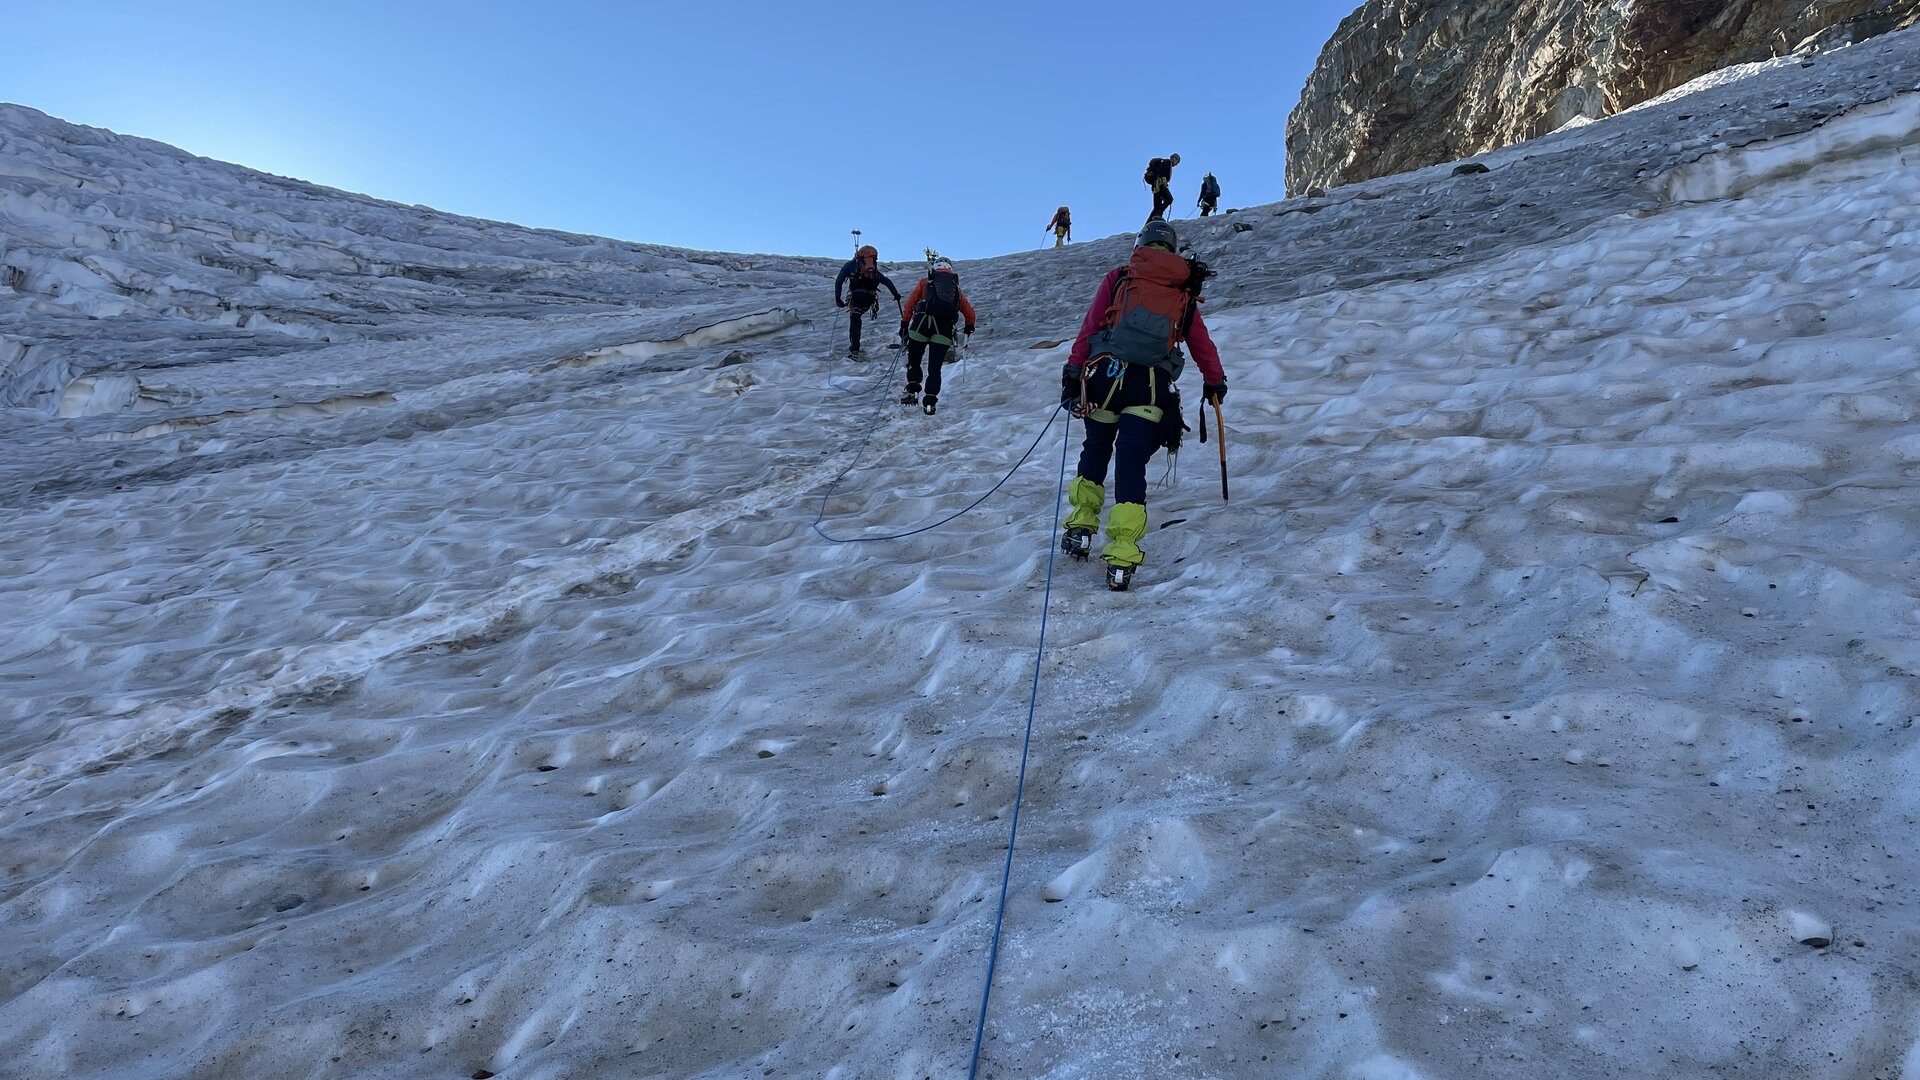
column 1220, row 436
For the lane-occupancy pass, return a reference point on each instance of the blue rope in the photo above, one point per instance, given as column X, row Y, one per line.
column 833, row 352
column 1033, row 699
column 861, row 452
column 1033, row 694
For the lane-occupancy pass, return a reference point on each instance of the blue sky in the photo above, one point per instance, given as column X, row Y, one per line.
column 735, row 126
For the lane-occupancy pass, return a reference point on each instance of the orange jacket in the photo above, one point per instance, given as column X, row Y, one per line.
column 920, row 290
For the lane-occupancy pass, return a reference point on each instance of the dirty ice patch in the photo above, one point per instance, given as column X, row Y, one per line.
column 99, row 395
column 92, row 396
column 725, row 332
column 1864, row 133
column 306, row 410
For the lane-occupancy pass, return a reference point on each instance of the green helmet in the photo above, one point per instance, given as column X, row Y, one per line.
column 1158, row 232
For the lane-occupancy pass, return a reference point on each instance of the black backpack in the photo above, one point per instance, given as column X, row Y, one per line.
column 943, row 298
column 1158, row 169
column 1210, row 189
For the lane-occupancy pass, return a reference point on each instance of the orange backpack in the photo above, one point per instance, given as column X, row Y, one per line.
column 1151, row 310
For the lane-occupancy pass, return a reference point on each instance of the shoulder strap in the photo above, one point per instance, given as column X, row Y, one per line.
column 1122, row 285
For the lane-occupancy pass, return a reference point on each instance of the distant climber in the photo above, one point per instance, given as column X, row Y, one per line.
column 1119, row 380
column 933, row 308
column 1061, row 226
column 1159, row 177
column 1209, row 195
column 862, row 279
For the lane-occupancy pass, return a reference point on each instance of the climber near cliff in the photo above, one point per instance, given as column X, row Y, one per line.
column 1119, row 380
column 1159, row 177
column 862, row 279
column 1209, row 195
column 1061, row 225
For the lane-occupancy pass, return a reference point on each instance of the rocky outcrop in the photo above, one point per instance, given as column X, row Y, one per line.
column 1408, row 83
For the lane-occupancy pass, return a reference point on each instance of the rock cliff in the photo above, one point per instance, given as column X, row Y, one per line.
column 1408, row 83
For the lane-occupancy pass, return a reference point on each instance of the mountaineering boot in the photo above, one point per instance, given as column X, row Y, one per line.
column 1087, row 498
column 1119, row 577
column 1126, row 524
column 853, row 354
column 910, row 398
column 1077, row 542
column 927, row 404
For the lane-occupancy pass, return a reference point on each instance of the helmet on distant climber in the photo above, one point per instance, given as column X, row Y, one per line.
column 940, row 265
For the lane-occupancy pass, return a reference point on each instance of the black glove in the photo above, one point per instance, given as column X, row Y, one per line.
column 837, row 302
column 1214, row 393
column 969, row 330
column 1070, row 384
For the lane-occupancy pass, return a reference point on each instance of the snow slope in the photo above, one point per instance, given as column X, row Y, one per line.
column 439, row 677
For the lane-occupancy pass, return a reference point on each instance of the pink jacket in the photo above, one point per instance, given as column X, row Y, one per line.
column 1198, row 341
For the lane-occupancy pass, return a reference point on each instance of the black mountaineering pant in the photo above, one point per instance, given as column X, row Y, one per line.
column 858, row 305
column 936, row 355
column 1162, row 201
column 1136, row 437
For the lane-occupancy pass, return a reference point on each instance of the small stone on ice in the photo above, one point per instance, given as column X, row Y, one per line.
column 288, row 902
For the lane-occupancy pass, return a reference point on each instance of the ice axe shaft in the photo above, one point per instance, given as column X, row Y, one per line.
column 1220, row 435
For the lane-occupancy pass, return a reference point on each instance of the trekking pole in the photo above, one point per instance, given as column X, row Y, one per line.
column 1220, row 424
column 856, row 243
